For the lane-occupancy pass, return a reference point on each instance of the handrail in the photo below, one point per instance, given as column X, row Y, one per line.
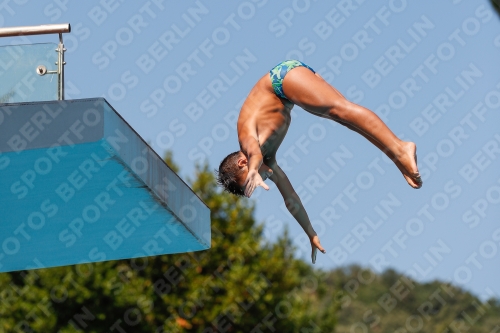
column 35, row 30
column 43, row 30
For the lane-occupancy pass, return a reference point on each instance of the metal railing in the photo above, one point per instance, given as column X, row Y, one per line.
column 43, row 30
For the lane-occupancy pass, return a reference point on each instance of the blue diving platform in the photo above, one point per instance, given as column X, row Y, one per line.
column 79, row 185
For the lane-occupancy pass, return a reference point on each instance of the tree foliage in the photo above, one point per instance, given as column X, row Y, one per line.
column 391, row 302
column 496, row 5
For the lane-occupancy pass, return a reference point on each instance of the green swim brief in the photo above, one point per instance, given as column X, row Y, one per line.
column 279, row 71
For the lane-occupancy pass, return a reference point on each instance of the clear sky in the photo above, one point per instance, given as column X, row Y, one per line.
column 177, row 72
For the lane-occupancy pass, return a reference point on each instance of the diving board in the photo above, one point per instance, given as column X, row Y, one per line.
column 78, row 185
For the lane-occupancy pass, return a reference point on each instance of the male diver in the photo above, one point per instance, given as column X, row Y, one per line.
column 264, row 120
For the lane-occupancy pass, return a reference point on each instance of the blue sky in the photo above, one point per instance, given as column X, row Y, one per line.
column 178, row 71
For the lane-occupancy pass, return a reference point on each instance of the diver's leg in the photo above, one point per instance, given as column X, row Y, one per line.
column 309, row 91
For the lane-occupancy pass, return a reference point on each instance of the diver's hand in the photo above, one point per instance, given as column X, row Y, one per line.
column 253, row 180
column 315, row 245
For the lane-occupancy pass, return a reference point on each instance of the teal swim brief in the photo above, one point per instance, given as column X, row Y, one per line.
column 279, row 71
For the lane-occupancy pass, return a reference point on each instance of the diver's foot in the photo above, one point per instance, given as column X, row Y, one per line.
column 407, row 164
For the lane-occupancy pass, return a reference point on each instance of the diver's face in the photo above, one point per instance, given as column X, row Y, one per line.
column 264, row 171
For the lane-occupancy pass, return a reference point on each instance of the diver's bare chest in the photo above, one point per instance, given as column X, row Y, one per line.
column 270, row 143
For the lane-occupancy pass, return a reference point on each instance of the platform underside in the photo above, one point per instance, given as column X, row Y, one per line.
column 94, row 201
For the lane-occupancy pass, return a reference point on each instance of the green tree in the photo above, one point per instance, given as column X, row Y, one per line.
column 496, row 5
column 391, row 302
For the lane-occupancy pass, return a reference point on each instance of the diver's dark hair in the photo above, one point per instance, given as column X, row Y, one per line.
column 227, row 175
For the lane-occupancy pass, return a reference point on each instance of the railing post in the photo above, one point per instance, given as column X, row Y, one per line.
column 60, row 68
